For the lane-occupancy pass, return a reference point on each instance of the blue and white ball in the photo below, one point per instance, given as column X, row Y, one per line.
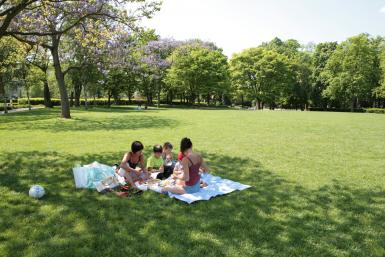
column 36, row 191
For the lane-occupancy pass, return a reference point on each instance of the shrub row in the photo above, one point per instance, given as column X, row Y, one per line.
column 375, row 110
column 104, row 102
column 100, row 101
column 320, row 109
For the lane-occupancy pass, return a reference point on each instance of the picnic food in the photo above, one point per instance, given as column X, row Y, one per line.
column 167, row 182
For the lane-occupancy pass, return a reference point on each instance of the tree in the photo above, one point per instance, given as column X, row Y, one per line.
column 289, row 48
column 198, row 70
column 155, row 57
column 263, row 73
column 379, row 70
column 10, row 9
column 349, row 71
column 299, row 94
column 12, row 53
column 297, row 89
column 48, row 23
column 321, row 55
column 39, row 57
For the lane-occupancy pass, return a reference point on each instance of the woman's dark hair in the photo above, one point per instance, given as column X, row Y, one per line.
column 136, row 146
column 167, row 145
column 157, row 149
column 185, row 144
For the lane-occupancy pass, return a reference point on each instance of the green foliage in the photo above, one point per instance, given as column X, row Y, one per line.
column 375, row 110
column 264, row 73
column 380, row 90
column 320, row 57
column 198, row 71
column 12, row 54
column 349, row 70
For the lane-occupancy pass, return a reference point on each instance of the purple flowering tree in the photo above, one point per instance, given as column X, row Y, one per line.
column 156, row 62
column 10, row 9
column 50, row 22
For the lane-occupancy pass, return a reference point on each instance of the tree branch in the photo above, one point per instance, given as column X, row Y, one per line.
column 71, row 68
column 30, row 42
column 11, row 13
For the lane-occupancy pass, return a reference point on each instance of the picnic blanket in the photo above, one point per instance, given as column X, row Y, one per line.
column 216, row 186
column 91, row 175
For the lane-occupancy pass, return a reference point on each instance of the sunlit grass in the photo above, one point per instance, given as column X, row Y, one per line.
column 318, row 184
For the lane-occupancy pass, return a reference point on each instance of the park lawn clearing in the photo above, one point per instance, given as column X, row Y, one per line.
column 318, row 184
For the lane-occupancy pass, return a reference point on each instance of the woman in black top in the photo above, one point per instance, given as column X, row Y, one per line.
column 131, row 160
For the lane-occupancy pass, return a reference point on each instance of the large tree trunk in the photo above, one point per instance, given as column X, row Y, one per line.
column 129, row 96
column 85, row 98
column 158, row 98
column 109, row 99
column 47, row 93
column 257, row 104
column 2, row 95
column 78, row 91
column 171, row 97
column 29, row 101
column 65, row 105
column 352, row 103
column 72, row 99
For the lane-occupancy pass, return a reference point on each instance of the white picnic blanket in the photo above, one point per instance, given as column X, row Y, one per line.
column 216, row 186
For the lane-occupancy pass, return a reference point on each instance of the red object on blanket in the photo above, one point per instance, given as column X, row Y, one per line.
column 180, row 156
column 125, row 188
column 122, row 194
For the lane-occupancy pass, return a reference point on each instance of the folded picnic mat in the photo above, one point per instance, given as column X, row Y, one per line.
column 91, row 175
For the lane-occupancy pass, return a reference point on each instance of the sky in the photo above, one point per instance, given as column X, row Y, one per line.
column 235, row 25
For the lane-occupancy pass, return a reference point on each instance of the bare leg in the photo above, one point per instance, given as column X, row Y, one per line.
column 174, row 189
column 130, row 180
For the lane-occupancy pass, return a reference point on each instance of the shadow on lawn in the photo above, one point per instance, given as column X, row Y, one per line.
column 119, row 109
column 48, row 120
column 273, row 218
column 26, row 116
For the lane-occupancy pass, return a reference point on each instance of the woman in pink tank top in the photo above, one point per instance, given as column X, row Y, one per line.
column 192, row 163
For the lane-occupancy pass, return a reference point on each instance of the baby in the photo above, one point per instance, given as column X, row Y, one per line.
column 178, row 169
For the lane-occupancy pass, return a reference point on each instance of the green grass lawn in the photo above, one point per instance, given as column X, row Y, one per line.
column 318, row 184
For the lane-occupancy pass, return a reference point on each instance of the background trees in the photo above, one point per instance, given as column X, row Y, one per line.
column 198, row 70
column 12, row 55
column 349, row 71
column 263, row 73
column 81, row 49
column 348, row 75
column 320, row 57
column 49, row 22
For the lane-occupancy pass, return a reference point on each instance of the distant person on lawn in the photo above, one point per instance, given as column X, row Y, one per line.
column 192, row 163
column 130, row 163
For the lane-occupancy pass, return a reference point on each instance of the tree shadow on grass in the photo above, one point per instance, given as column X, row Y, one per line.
column 119, row 109
column 48, row 120
column 273, row 218
column 26, row 116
